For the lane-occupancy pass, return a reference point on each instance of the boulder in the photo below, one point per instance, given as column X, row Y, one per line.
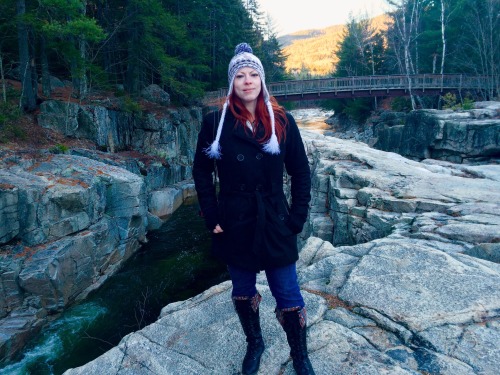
column 457, row 136
column 9, row 220
column 67, row 223
column 155, row 94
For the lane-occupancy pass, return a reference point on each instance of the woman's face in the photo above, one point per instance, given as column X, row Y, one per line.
column 247, row 85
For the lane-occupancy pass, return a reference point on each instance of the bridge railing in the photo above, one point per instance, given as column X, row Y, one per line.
column 419, row 82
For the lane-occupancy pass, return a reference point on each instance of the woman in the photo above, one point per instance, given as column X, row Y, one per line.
column 248, row 144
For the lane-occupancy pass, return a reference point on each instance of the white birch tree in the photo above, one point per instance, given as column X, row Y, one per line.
column 405, row 25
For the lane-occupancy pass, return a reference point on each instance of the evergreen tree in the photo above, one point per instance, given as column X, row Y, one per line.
column 273, row 60
column 8, row 43
column 64, row 28
column 271, row 54
column 361, row 52
column 182, row 45
column 430, row 41
column 350, row 57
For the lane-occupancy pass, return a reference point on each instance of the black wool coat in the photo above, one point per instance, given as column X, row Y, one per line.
column 260, row 228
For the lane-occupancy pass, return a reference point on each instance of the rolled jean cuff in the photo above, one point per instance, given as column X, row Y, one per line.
column 254, row 301
column 301, row 311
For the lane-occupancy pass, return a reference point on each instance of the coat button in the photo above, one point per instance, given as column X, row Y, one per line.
column 259, row 156
column 243, row 187
column 240, row 157
column 281, row 216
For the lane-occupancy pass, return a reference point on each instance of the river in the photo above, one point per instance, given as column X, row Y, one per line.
column 312, row 118
column 174, row 265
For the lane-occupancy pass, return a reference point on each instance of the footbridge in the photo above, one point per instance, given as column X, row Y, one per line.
column 367, row 86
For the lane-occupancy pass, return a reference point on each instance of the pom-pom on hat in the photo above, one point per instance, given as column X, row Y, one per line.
column 244, row 58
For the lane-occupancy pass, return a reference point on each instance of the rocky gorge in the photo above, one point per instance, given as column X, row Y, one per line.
column 399, row 263
column 69, row 219
column 465, row 136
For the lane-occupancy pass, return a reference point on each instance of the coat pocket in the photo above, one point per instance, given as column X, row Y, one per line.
column 276, row 218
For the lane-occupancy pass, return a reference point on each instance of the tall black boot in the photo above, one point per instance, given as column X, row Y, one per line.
column 248, row 312
column 293, row 322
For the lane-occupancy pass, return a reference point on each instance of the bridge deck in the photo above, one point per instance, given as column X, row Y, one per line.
column 362, row 86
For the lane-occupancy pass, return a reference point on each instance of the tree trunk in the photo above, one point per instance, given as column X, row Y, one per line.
column 443, row 37
column 493, row 46
column 28, row 96
column 406, row 20
column 46, row 88
column 407, row 62
column 375, row 102
column 2, row 77
column 107, row 55
column 84, row 84
column 34, row 72
column 133, row 63
column 408, row 78
column 83, row 87
column 75, row 73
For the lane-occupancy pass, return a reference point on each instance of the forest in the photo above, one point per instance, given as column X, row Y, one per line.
column 425, row 36
column 184, row 45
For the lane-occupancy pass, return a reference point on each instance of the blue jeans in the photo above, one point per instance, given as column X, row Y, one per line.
column 282, row 282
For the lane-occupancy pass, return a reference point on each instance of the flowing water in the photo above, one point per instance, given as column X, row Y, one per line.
column 312, row 119
column 174, row 265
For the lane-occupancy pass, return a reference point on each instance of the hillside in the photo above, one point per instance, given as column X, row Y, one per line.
column 315, row 49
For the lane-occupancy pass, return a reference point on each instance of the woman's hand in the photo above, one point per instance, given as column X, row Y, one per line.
column 218, row 229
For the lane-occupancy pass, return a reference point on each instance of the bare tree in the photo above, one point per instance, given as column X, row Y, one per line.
column 28, row 92
column 485, row 42
column 443, row 35
column 405, row 24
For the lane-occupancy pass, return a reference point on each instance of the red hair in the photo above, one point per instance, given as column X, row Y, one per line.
column 261, row 115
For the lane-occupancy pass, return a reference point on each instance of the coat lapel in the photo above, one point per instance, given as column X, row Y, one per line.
column 239, row 132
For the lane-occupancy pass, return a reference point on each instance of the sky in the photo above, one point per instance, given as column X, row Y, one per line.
column 292, row 15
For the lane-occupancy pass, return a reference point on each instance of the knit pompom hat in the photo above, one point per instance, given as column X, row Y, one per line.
column 244, row 58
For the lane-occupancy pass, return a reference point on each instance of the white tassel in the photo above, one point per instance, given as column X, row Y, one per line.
column 213, row 151
column 272, row 146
